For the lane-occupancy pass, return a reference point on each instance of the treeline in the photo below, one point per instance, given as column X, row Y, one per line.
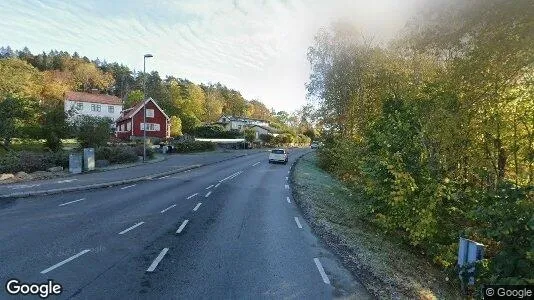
column 436, row 129
column 32, row 87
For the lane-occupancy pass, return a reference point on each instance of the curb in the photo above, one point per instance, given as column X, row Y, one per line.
column 114, row 183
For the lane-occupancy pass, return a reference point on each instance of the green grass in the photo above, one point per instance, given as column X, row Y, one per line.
column 384, row 264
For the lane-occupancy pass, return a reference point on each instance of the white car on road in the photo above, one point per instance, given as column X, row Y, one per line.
column 278, row 155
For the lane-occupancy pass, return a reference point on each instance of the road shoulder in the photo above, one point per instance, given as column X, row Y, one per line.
column 386, row 267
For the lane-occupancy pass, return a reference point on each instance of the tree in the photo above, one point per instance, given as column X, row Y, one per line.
column 92, row 131
column 13, row 113
column 250, row 135
column 54, row 125
column 176, row 126
column 133, row 98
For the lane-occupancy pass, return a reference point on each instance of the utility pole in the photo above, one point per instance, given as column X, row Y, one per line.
column 144, row 104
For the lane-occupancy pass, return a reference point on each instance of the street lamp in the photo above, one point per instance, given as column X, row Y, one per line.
column 144, row 104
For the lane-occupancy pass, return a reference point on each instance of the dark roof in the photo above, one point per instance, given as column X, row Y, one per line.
column 130, row 112
column 268, row 128
column 93, row 98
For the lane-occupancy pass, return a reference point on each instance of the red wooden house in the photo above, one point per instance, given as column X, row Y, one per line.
column 130, row 124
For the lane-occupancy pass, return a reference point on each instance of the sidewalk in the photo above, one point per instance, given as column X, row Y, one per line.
column 114, row 175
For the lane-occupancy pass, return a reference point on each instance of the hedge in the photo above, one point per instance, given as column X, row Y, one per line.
column 28, row 162
column 194, row 146
column 117, row 154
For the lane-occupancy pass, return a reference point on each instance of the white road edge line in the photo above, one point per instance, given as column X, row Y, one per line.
column 166, row 209
column 192, row 196
column 182, row 226
column 164, row 177
column 287, row 186
column 65, row 261
column 217, row 185
column 298, row 222
column 67, row 203
column 127, row 187
column 209, row 187
column 208, row 194
column 288, row 200
column 157, row 260
column 321, row 270
column 132, row 227
column 198, row 205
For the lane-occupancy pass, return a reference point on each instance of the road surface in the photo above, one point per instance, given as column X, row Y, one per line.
column 225, row 231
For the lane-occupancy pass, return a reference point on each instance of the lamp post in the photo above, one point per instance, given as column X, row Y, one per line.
column 144, row 104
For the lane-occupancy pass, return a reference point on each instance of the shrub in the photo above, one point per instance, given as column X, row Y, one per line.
column 117, row 155
column 28, row 162
column 215, row 131
column 194, row 146
column 92, row 131
column 149, row 151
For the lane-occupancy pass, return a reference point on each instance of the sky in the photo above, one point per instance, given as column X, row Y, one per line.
column 257, row 47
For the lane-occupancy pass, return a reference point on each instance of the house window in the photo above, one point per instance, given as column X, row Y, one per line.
column 120, row 127
column 98, row 107
column 151, row 127
column 93, row 107
column 111, row 109
column 79, row 106
column 129, row 126
column 149, row 113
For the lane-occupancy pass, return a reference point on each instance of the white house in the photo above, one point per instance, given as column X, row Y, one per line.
column 93, row 104
column 239, row 123
column 259, row 130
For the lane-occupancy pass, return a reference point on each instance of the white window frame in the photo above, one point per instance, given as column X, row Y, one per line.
column 93, row 107
column 111, row 109
column 98, row 107
column 149, row 113
column 128, row 126
column 151, row 127
column 79, row 106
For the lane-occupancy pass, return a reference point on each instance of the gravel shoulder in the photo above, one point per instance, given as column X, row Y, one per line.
column 386, row 266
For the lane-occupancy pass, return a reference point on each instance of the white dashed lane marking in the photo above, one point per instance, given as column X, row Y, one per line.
column 196, row 207
column 156, row 261
column 166, row 209
column 70, row 202
column 182, row 226
column 192, row 196
column 321, row 271
column 132, row 227
column 127, row 187
column 288, row 200
column 217, row 185
column 209, row 187
column 287, row 186
column 256, row 164
column 208, row 194
column 298, row 222
column 65, row 261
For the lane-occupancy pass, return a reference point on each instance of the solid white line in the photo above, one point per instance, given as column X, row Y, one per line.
column 298, row 222
column 64, row 262
column 127, row 187
column 198, row 205
column 208, row 194
column 182, row 226
column 287, row 186
column 130, row 228
column 67, row 203
column 192, row 196
column 288, row 200
column 209, row 187
column 164, row 177
column 166, row 209
column 67, row 180
column 321, row 270
column 256, row 164
column 157, row 260
column 217, row 185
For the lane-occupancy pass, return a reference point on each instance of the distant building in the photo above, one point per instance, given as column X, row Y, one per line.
column 259, row 130
column 93, row 104
column 239, row 123
column 130, row 123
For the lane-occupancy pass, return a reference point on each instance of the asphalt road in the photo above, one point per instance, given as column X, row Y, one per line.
column 225, row 231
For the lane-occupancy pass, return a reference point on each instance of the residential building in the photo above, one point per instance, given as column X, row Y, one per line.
column 93, row 104
column 259, row 130
column 239, row 123
column 130, row 124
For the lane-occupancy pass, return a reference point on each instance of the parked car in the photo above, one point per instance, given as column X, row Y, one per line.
column 314, row 145
column 278, row 155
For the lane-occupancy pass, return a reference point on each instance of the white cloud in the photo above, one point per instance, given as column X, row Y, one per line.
column 257, row 47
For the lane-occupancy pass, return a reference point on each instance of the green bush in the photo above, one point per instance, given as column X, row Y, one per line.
column 149, row 151
column 216, row 132
column 28, row 162
column 194, row 146
column 117, row 154
column 92, row 131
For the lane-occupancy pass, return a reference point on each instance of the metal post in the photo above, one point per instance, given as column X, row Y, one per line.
column 144, row 105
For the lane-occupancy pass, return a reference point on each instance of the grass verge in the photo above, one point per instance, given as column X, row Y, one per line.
column 383, row 264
